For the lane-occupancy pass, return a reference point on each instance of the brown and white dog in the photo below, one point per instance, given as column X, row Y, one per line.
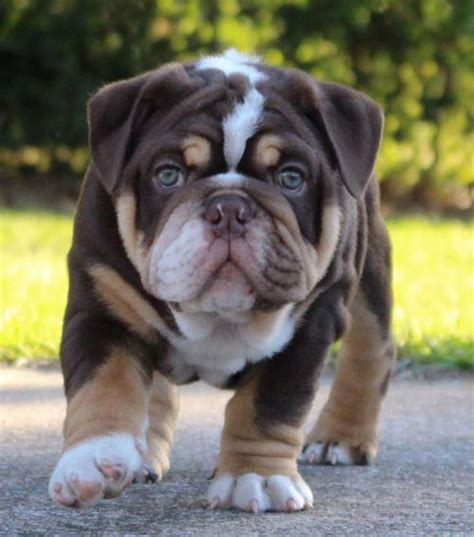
column 228, row 230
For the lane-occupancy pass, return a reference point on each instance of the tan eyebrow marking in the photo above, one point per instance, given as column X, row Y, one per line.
column 268, row 150
column 196, row 151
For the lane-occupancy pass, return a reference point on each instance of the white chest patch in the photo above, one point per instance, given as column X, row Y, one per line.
column 243, row 121
column 215, row 348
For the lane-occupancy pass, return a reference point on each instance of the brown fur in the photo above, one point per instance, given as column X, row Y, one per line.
column 331, row 228
column 246, row 449
column 351, row 414
column 126, row 303
column 113, row 401
column 163, row 407
column 316, row 246
column 126, row 208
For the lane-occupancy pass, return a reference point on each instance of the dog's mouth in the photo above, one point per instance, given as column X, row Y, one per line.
column 228, row 291
column 190, row 266
column 210, row 277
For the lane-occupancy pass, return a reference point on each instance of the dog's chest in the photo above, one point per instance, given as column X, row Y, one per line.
column 213, row 349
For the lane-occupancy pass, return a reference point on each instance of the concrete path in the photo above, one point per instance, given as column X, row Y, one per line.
column 422, row 483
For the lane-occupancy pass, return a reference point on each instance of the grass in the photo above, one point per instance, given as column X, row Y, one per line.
column 33, row 282
column 433, row 280
column 434, row 289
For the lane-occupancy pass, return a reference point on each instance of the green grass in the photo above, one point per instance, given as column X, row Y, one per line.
column 33, row 282
column 433, row 278
column 434, row 289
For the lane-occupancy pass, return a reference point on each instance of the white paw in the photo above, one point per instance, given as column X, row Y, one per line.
column 98, row 468
column 327, row 453
column 253, row 492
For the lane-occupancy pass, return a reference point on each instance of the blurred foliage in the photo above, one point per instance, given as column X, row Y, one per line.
column 416, row 58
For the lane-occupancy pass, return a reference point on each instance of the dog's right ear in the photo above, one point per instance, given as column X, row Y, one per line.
column 119, row 109
column 110, row 118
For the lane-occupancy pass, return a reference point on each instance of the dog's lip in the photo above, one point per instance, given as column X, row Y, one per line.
column 216, row 274
column 235, row 252
column 232, row 263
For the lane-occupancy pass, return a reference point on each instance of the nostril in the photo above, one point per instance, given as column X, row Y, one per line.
column 214, row 214
column 244, row 213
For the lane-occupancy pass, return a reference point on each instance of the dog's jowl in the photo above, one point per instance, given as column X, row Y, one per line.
column 228, row 230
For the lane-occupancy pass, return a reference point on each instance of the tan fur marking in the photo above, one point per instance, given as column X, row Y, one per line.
column 114, row 400
column 163, row 407
column 324, row 253
column 246, row 449
column 263, row 322
column 331, row 228
column 196, row 151
column 132, row 239
column 351, row 414
column 268, row 150
column 126, row 303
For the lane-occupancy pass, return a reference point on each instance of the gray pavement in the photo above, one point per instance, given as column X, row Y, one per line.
column 422, row 483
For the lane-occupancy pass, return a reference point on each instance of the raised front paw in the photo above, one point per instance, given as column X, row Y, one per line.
column 337, row 453
column 101, row 467
column 254, row 493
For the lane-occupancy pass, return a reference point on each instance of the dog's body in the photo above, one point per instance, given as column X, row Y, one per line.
column 228, row 230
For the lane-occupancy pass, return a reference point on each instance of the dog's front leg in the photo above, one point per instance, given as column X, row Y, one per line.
column 257, row 468
column 107, row 388
column 262, row 437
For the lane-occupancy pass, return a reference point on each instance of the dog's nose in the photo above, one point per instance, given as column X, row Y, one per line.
column 229, row 214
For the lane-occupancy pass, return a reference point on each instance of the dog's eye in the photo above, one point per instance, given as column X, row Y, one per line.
column 169, row 176
column 290, row 179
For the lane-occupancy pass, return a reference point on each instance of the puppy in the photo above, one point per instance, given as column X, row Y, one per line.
column 228, row 230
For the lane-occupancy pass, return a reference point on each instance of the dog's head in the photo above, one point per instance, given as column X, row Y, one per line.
column 227, row 176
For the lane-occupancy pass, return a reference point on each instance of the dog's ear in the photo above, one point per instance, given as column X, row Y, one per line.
column 353, row 123
column 116, row 112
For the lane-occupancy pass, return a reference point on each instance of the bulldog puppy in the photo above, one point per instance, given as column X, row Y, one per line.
column 228, row 230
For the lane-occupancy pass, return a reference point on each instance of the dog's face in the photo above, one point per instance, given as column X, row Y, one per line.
column 228, row 178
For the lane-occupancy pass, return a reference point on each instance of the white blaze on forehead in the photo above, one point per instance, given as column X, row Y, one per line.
column 233, row 62
column 240, row 125
column 229, row 179
column 242, row 122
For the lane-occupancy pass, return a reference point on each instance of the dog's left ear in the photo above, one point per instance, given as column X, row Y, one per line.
column 353, row 123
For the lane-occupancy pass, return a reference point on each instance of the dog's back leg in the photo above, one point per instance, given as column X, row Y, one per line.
column 163, row 406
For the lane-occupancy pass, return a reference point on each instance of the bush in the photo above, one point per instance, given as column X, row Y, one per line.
column 416, row 58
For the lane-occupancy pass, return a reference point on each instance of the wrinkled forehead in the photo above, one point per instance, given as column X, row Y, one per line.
column 241, row 98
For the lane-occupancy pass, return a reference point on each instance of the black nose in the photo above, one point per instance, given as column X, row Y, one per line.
column 229, row 214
